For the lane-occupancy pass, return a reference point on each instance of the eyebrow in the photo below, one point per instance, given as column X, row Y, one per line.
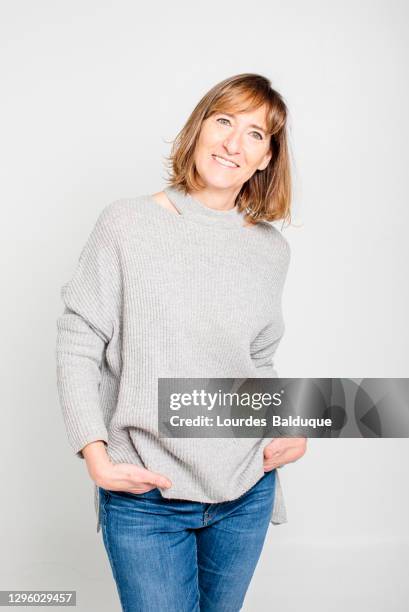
column 253, row 125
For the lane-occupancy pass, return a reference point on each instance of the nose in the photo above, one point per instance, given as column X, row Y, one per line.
column 232, row 143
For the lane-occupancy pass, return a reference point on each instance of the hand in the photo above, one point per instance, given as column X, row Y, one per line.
column 129, row 477
column 121, row 476
column 283, row 450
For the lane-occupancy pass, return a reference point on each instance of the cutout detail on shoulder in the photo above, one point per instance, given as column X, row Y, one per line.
column 162, row 200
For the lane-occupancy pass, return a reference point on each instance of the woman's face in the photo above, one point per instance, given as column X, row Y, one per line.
column 240, row 139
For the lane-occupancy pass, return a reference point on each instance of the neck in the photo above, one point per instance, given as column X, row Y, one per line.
column 198, row 211
column 217, row 199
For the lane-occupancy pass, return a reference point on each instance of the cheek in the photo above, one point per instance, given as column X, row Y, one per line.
column 255, row 159
column 210, row 138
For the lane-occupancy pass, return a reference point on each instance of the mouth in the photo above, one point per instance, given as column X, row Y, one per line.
column 226, row 163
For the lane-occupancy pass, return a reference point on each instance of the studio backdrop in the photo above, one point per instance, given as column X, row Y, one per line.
column 93, row 95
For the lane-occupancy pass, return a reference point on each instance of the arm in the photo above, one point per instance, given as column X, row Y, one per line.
column 263, row 349
column 97, row 459
column 264, row 346
column 278, row 451
column 88, row 324
column 79, row 355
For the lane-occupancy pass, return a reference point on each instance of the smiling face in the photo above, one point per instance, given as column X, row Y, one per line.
column 231, row 147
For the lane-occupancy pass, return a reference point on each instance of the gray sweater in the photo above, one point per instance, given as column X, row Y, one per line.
column 159, row 294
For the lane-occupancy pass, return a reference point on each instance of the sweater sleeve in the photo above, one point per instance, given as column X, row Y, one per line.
column 91, row 318
column 263, row 349
column 264, row 346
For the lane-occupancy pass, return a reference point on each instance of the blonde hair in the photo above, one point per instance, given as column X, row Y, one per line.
column 265, row 196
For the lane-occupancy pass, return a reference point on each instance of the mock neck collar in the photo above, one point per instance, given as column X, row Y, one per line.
column 191, row 208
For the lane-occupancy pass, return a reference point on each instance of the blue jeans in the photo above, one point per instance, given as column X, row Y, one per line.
column 171, row 555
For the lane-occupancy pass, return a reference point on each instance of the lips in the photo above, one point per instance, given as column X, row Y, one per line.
column 225, row 159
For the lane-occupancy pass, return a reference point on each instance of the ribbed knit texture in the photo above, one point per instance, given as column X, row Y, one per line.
column 159, row 294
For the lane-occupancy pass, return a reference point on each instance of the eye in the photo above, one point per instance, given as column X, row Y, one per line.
column 260, row 136
column 223, row 119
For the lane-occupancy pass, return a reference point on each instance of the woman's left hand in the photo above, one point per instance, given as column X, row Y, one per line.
column 283, row 450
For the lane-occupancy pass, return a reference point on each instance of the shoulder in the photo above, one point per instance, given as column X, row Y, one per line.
column 277, row 240
column 117, row 215
column 123, row 208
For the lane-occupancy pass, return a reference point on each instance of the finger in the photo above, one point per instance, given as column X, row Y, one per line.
column 142, row 489
column 156, row 479
column 268, row 467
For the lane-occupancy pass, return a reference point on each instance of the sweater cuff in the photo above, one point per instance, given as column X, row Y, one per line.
column 87, row 439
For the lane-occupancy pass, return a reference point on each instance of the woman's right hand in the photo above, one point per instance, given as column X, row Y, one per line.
column 120, row 476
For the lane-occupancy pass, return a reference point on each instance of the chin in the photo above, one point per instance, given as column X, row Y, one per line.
column 215, row 181
column 215, row 184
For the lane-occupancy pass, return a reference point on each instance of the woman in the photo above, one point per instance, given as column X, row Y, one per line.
column 183, row 283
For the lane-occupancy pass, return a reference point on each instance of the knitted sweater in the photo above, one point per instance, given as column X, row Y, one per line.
column 160, row 294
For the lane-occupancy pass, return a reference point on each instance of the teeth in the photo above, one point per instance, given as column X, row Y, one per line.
column 224, row 162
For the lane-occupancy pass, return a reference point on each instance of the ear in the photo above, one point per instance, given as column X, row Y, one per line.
column 266, row 160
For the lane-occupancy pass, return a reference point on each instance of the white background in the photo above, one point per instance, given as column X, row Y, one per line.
column 93, row 94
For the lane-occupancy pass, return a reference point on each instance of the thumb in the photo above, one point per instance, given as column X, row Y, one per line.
column 268, row 452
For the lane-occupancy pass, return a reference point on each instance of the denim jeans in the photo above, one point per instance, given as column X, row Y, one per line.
column 170, row 555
